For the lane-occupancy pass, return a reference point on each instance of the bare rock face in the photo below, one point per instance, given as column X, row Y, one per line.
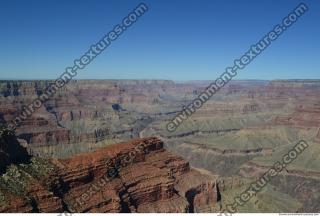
column 206, row 199
column 10, row 149
column 304, row 96
column 139, row 175
column 136, row 176
column 62, row 117
column 304, row 116
column 16, row 204
column 318, row 137
column 43, row 199
column 145, row 181
column 82, row 112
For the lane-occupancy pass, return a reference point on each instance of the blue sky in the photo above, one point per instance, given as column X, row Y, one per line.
column 177, row 40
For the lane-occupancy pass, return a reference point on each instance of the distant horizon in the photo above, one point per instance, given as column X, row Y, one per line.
column 182, row 81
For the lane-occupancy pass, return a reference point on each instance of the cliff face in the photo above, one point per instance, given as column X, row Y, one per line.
column 10, row 149
column 68, row 115
column 83, row 111
column 246, row 121
column 137, row 176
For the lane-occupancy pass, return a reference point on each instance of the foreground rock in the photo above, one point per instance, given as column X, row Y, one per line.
column 136, row 176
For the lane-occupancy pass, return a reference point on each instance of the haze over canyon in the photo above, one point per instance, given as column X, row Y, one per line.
column 57, row 158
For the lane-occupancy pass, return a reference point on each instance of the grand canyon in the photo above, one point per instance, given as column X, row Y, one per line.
column 60, row 158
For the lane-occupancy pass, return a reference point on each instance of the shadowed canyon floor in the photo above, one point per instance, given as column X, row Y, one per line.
column 231, row 141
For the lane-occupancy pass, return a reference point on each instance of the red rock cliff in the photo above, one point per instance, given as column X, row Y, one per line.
column 136, row 176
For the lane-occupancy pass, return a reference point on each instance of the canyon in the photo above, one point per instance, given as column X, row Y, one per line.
column 64, row 147
column 152, row 180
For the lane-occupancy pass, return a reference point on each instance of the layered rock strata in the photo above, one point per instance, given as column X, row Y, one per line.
column 136, row 176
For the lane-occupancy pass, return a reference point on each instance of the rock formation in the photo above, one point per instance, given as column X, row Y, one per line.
column 137, row 176
column 245, row 126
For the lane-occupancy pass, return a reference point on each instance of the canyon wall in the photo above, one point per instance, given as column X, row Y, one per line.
column 137, row 176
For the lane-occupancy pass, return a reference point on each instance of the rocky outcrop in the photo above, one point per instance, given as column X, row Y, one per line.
column 206, row 198
column 80, row 111
column 10, row 149
column 136, row 176
column 243, row 120
column 146, row 184
column 318, row 137
column 300, row 184
column 15, row 204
